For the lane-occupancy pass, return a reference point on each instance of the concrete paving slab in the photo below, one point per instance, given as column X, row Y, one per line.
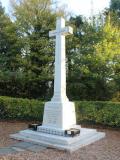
column 36, row 148
column 18, row 149
column 7, row 150
column 22, row 145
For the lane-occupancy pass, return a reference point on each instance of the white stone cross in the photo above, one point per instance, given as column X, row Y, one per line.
column 60, row 59
column 59, row 113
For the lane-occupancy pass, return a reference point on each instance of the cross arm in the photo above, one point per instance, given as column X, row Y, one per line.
column 67, row 31
column 64, row 31
column 52, row 33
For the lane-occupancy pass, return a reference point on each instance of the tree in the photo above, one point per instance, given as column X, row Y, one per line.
column 10, row 53
column 10, row 48
column 92, row 55
column 115, row 5
column 35, row 18
column 113, row 12
column 108, row 52
column 82, row 83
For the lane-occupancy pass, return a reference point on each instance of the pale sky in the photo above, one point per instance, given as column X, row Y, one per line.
column 82, row 7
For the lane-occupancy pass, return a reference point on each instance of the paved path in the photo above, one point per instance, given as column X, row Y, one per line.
column 21, row 147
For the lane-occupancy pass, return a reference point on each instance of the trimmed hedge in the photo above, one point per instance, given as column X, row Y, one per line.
column 21, row 109
column 97, row 112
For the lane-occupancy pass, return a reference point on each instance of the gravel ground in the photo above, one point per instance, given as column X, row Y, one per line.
column 105, row 149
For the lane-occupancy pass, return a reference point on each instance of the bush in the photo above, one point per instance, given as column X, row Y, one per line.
column 97, row 112
column 21, row 109
column 116, row 97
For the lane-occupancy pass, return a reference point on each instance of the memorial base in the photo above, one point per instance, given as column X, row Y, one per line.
column 59, row 115
column 87, row 136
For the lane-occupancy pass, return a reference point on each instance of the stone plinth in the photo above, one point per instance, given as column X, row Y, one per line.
column 87, row 136
column 59, row 115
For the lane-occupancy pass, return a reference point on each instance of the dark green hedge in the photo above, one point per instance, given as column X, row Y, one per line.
column 106, row 113
column 98, row 112
column 21, row 109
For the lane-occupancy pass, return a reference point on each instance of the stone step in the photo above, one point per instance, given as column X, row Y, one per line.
column 65, row 143
column 87, row 141
column 57, row 139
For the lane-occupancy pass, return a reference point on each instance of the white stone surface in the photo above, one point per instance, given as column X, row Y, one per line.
column 87, row 136
column 59, row 113
column 60, row 60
